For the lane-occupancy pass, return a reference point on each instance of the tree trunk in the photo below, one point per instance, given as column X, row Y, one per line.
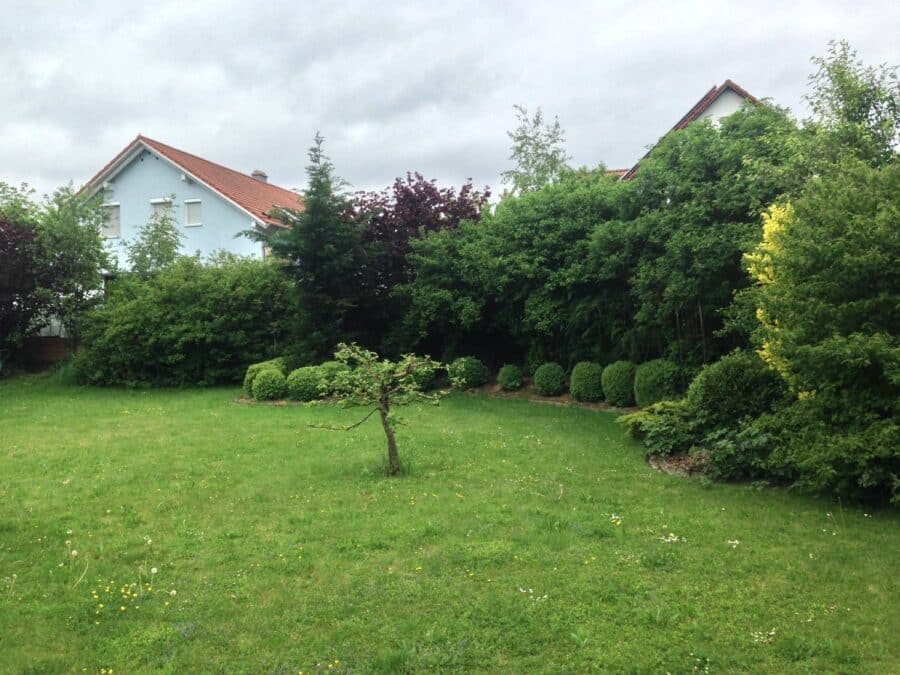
column 393, row 467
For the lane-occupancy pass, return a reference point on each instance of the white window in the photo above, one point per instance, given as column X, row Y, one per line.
column 112, row 224
column 161, row 206
column 193, row 213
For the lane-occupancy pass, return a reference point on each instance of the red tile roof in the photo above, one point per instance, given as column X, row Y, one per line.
column 696, row 112
column 252, row 195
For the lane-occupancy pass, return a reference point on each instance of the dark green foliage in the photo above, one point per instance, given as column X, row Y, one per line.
column 304, row 384
column 426, row 379
column 268, row 385
column 828, row 297
column 550, row 379
column 329, row 372
column 254, row 369
column 510, row 378
column 736, row 386
column 467, row 372
column 655, row 381
column 188, row 324
column 322, row 253
column 665, row 427
column 618, row 383
column 586, row 382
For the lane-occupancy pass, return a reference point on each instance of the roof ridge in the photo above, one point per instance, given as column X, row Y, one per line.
column 153, row 141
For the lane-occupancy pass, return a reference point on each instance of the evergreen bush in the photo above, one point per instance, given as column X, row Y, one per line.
column 655, row 381
column 618, row 383
column 550, row 379
column 467, row 372
column 268, row 385
column 304, row 384
column 510, row 378
column 586, row 382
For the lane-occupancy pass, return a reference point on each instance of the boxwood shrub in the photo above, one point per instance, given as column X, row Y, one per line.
column 550, row 379
column 618, row 383
column 737, row 385
column 510, row 378
column 655, row 381
column 268, row 385
column 254, row 369
column 467, row 372
column 586, row 381
column 303, row 384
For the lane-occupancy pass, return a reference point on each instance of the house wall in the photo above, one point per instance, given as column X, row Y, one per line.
column 149, row 176
column 727, row 103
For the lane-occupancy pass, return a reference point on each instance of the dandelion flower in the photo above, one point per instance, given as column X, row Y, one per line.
column 152, row 570
column 173, row 592
column 74, row 553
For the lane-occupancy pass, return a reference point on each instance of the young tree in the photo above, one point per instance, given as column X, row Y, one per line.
column 157, row 243
column 857, row 106
column 64, row 256
column 382, row 384
column 321, row 253
column 538, row 151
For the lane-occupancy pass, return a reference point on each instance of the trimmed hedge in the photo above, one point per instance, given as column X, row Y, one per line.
column 254, row 369
column 737, row 385
column 586, row 382
column 618, row 383
column 268, row 385
column 303, row 384
column 467, row 372
column 655, row 381
column 550, row 379
column 510, row 378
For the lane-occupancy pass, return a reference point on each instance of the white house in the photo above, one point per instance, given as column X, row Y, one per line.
column 211, row 203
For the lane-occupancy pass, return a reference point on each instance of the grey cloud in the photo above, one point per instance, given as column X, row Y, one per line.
column 421, row 86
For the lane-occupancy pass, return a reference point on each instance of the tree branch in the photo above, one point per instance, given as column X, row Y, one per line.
column 352, row 426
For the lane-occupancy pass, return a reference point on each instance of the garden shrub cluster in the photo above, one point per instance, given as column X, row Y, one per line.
column 550, row 379
column 618, row 383
column 254, row 369
column 586, row 382
column 468, row 372
column 189, row 324
column 510, row 378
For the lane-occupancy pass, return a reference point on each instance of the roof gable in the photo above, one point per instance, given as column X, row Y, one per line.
column 255, row 197
column 695, row 113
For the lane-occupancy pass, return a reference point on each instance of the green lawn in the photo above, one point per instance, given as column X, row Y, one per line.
column 281, row 548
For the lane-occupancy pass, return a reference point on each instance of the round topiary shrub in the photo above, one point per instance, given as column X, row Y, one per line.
column 737, row 385
column 329, row 371
column 586, row 382
column 268, row 385
column 467, row 372
column 254, row 369
column 510, row 378
column 655, row 381
column 303, row 384
column 618, row 383
column 550, row 379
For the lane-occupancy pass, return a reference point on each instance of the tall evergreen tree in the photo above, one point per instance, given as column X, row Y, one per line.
column 321, row 252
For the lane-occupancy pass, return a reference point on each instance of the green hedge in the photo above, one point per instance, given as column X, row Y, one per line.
column 618, row 383
column 268, row 385
column 467, row 372
column 254, row 369
column 303, row 384
column 550, row 379
column 655, row 381
column 586, row 382
column 189, row 324
column 510, row 378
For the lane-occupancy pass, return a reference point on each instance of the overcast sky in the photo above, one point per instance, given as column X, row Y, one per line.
column 392, row 86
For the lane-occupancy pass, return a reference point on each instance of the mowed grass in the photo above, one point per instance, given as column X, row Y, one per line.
column 282, row 548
